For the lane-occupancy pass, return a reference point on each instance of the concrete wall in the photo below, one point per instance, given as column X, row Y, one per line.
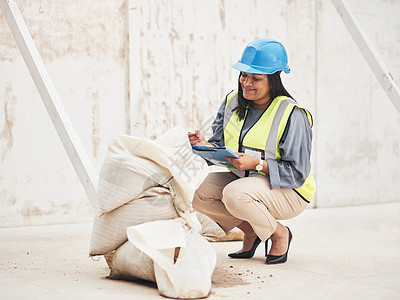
column 175, row 69
column 358, row 129
column 83, row 44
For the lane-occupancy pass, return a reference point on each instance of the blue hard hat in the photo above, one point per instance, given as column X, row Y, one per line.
column 263, row 56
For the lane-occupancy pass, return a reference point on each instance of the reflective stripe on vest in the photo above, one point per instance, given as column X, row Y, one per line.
column 265, row 133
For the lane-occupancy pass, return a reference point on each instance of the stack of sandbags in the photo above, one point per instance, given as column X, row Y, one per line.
column 142, row 181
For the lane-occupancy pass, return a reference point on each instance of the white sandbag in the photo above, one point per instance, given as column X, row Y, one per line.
column 213, row 233
column 129, row 263
column 109, row 230
column 124, row 176
column 186, row 275
column 134, row 164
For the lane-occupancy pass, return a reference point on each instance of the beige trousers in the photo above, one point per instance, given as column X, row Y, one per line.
column 230, row 200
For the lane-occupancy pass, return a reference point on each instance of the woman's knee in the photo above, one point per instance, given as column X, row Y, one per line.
column 202, row 199
column 209, row 190
column 231, row 197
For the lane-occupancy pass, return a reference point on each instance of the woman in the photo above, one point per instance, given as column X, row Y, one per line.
column 272, row 136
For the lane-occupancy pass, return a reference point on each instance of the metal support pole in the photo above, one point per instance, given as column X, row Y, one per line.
column 372, row 56
column 63, row 125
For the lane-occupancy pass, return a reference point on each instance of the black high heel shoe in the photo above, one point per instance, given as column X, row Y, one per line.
column 246, row 254
column 278, row 259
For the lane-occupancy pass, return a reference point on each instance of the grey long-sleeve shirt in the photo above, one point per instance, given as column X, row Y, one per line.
column 295, row 146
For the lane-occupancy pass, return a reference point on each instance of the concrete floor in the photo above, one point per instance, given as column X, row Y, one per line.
column 336, row 253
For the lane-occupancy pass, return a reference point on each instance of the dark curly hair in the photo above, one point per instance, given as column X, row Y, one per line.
column 277, row 89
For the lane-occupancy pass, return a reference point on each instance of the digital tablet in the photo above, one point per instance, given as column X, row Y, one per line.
column 215, row 155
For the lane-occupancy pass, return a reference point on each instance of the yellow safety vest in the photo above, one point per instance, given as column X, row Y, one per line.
column 265, row 134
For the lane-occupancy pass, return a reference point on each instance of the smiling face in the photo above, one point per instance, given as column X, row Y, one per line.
column 256, row 89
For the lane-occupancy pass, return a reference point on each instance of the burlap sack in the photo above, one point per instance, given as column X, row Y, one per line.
column 129, row 263
column 109, row 230
column 213, row 233
column 132, row 165
column 124, row 177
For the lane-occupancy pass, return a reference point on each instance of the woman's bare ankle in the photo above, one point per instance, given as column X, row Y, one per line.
column 248, row 241
column 279, row 239
column 249, row 235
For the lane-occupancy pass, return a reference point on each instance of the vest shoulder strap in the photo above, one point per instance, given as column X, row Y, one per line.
column 230, row 96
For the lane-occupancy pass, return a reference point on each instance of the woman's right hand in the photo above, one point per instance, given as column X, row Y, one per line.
column 196, row 138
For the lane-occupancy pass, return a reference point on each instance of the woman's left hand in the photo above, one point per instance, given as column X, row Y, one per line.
column 245, row 162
